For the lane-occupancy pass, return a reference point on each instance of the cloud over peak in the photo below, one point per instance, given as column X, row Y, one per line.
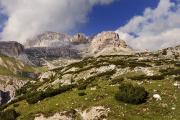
column 156, row 28
column 29, row 17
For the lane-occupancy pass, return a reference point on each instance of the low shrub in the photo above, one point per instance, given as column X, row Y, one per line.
column 155, row 77
column 82, row 94
column 34, row 97
column 177, row 64
column 129, row 93
column 170, row 71
column 136, row 76
column 116, row 80
column 10, row 114
column 177, row 78
column 38, row 96
column 134, row 64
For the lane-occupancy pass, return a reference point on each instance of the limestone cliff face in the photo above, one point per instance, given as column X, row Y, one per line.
column 48, row 39
column 11, row 48
column 37, row 54
column 79, row 39
column 54, row 39
column 108, row 42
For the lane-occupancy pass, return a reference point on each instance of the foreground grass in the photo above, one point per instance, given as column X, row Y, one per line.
column 104, row 95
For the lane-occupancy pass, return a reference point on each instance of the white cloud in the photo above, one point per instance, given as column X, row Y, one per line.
column 156, row 28
column 30, row 17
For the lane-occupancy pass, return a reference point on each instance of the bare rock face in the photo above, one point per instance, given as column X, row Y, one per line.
column 170, row 52
column 54, row 39
column 106, row 42
column 94, row 113
column 79, row 39
column 11, row 48
column 37, row 54
column 53, row 45
column 8, row 87
column 48, row 39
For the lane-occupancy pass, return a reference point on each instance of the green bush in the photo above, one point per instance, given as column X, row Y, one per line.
column 34, row 97
column 116, row 80
column 177, row 78
column 170, row 71
column 10, row 114
column 82, row 94
column 129, row 93
column 177, row 64
column 82, row 86
column 155, row 77
column 145, row 77
column 38, row 96
column 137, row 77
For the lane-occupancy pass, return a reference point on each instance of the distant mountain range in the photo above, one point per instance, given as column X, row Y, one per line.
column 52, row 45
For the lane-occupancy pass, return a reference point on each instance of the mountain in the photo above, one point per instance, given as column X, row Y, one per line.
column 107, row 43
column 89, row 78
column 11, row 48
column 54, row 39
column 53, row 45
column 48, row 39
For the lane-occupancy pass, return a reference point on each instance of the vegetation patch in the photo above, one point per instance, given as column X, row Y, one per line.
column 10, row 114
column 129, row 93
column 38, row 96
column 177, row 78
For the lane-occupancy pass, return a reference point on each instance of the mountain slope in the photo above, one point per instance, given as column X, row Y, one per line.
column 77, row 89
column 13, row 75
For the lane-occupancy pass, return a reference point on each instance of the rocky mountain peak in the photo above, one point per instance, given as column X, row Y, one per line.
column 104, row 40
column 48, row 39
column 11, row 48
column 79, row 38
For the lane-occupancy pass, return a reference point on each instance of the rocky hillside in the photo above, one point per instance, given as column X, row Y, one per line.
column 108, row 43
column 11, row 48
column 36, row 55
column 170, row 52
column 110, row 87
column 13, row 75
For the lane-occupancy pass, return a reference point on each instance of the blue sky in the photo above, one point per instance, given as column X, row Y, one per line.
column 111, row 17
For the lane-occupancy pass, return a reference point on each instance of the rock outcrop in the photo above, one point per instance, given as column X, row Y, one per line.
column 48, row 39
column 36, row 54
column 170, row 52
column 79, row 39
column 108, row 43
column 54, row 39
column 94, row 113
column 53, row 45
column 11, row 48
column 8, row 87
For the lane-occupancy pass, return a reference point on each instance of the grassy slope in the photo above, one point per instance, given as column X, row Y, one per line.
column 104, row 95
column 16, row 64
